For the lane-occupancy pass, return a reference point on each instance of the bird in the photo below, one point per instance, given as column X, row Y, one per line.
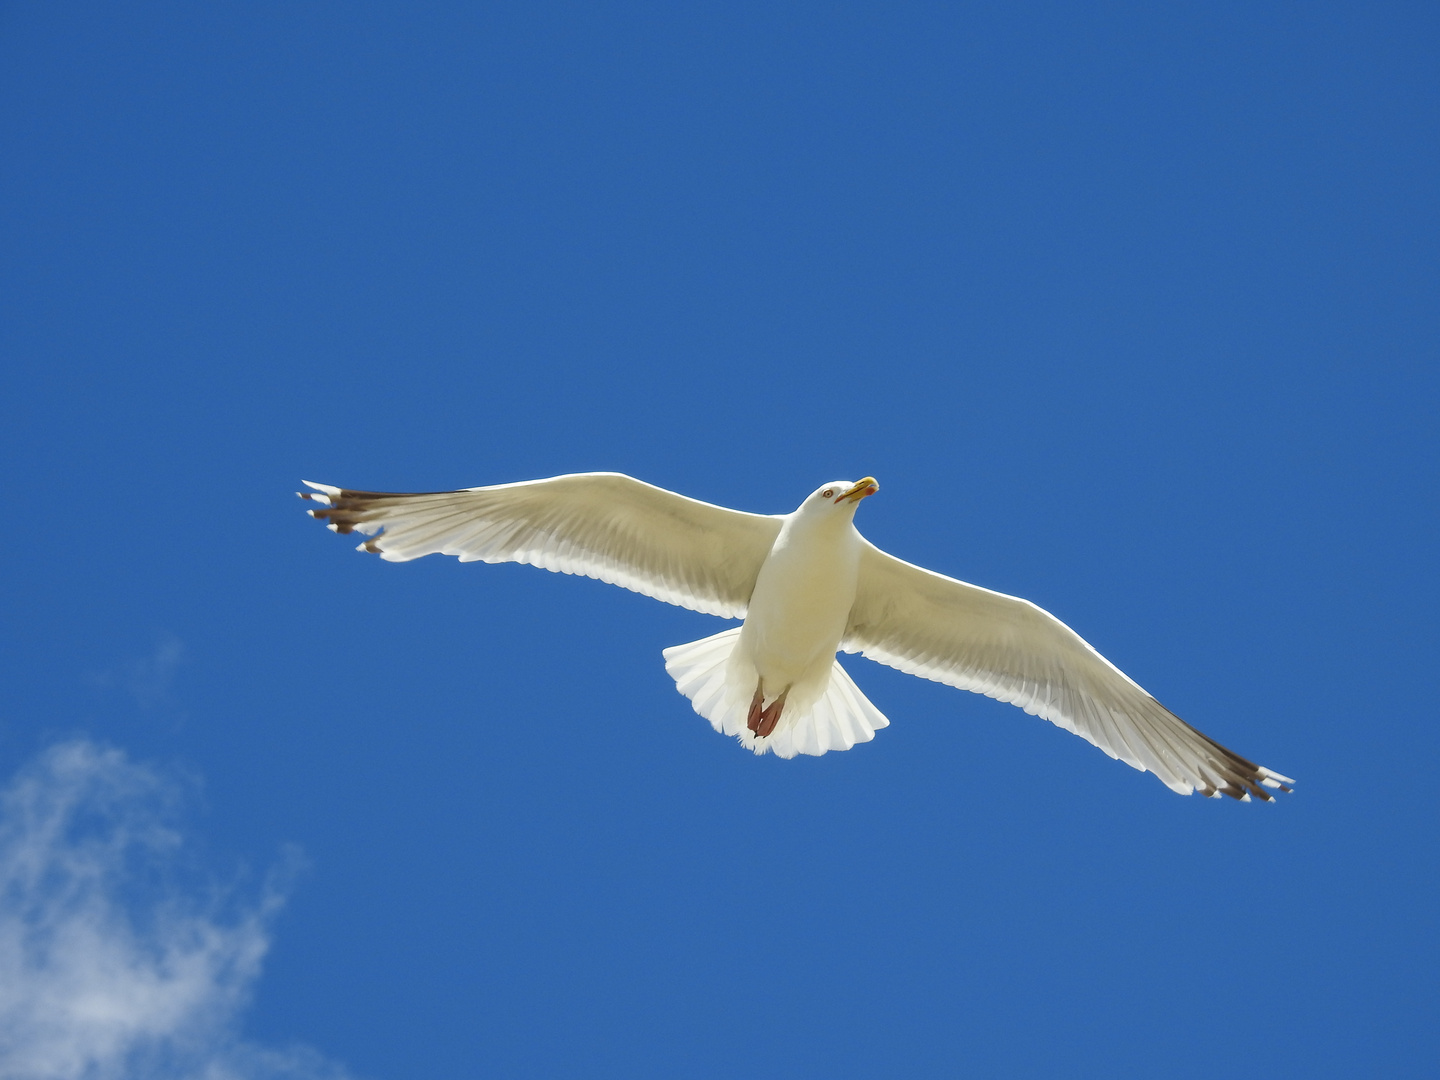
column 806, row 586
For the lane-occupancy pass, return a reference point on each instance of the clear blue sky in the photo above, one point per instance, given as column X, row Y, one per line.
column 1131, row 308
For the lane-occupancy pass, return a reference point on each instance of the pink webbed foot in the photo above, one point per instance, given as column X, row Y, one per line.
column 752, row 721
column 770, row 717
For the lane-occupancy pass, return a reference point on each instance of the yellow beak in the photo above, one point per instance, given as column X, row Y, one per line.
column 862, row 488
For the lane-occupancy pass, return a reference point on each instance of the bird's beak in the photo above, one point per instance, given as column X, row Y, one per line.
column 862, row 488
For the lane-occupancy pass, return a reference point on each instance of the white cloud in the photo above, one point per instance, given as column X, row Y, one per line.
column 113, row 963
column 147, row 680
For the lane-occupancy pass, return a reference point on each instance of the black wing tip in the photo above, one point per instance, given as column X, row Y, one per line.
column 1240, row 778
column 1256, row 782
column 346, row 510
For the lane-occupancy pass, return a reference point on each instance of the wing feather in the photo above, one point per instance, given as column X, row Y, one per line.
column 933, row 626
column 601, row 525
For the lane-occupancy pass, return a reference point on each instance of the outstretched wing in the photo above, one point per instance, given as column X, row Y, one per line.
column 933, row 626
column 600, row 525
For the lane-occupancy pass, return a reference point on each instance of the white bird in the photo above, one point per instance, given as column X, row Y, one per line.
column 807, row 586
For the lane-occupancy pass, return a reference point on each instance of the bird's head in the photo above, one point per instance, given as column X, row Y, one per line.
column 839, row 496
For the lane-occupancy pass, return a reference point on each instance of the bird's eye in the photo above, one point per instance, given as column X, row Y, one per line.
column 827, row 493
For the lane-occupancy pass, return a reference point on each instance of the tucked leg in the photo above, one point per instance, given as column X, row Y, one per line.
column 753, row 720
column 771, row 716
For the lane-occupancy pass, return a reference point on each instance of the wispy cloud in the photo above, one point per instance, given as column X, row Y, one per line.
column 147, row 680
column 113, row 962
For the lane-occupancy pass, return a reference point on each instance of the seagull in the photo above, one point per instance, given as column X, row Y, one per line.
column 807, row 586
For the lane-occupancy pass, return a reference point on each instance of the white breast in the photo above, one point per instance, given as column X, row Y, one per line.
column 801, row 603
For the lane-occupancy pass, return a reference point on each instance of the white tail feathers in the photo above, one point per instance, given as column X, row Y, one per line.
column 838, row 719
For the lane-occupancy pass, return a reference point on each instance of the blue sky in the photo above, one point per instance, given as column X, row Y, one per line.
column 1132, row 310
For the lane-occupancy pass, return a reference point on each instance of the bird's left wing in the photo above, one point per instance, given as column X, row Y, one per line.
column 601, row 525
column 933, row 626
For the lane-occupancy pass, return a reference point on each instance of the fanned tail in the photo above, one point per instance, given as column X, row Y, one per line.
column 838, row 718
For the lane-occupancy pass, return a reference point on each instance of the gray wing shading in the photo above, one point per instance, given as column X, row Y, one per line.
column 601, row 525
column 933, row 626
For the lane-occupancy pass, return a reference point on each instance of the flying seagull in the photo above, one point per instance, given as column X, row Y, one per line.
column 807, row 586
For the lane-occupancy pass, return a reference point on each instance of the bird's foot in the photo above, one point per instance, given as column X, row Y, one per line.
column 757, row 703
column 762, row 718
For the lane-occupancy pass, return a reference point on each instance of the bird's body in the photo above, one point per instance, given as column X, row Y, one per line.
column 807, row 585
column 801, row 603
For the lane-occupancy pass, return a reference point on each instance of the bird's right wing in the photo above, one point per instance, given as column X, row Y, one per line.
column 601, row 525
column 933, row 626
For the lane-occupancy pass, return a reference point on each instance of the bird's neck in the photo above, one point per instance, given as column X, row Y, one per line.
column 817, row 533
